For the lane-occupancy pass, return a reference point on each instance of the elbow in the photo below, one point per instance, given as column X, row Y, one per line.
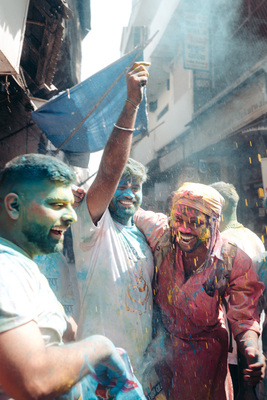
column 37, row 388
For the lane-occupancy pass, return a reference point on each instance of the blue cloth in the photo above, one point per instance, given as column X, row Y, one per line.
column 89, row 387
column 62, row 114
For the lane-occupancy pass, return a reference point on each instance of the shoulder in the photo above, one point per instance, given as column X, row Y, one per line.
column 152, row 225
column 18, row 275
column 85, row 228
column 260, row 266
column 150, row 218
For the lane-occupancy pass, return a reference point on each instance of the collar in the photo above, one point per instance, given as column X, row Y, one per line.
column 233, row 224
column 7, row 243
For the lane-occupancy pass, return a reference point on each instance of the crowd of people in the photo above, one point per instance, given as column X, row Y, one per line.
column 162, row 299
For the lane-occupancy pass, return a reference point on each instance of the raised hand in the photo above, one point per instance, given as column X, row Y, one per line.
column 137, row 77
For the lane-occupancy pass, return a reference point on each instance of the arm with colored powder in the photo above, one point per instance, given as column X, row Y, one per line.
column 244, row 290
column 117, row 149
column 41, row 372
column 252, row 363
column 153, row 225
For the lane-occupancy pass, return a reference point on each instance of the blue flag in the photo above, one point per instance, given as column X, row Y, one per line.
column 62, row 114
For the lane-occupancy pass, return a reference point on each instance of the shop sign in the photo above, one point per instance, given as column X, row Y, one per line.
column 196, row 41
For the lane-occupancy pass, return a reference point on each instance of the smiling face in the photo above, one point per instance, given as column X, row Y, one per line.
column 126, row 200
column 46, row 213
column 191, row 228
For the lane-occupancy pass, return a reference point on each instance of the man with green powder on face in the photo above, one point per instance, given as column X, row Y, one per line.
column 35, row 210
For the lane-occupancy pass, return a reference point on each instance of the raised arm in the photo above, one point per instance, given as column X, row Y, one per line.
column 29, row 370
column 118, row 147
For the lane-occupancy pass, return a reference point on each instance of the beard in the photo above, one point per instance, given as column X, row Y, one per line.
column 37, row 235
column 119, row 212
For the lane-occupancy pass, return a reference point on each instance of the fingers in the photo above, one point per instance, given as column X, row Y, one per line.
column 256, row 366
column 78, row 194
column 139, row 69
column 254, row 373
column 137, row 77
column 141, row 64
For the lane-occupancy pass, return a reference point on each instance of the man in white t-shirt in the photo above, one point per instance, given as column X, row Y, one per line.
column 115, row 268
column 113, row 261
column 247, row 241
column 35, row 210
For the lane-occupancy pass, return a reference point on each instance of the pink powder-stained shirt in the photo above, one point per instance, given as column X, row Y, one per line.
column 193, row 316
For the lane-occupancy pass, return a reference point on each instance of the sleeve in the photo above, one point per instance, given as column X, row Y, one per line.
column 244, row 290
column 84, row 231
column 84, row 228
column 260, row 266
column 16, row 294
column 152, row 225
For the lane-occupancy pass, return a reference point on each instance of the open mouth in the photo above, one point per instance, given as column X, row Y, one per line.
column 185, row 238
column 58, row 232
column 126, row 203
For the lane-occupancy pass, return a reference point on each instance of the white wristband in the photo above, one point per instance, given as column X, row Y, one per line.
column 124, row 129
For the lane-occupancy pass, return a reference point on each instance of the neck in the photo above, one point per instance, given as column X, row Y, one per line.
column 193, row 261
column 227, row 219
column 16, row 237
column 123, row 220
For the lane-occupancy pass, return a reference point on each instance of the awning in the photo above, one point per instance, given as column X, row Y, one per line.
column 61, row 115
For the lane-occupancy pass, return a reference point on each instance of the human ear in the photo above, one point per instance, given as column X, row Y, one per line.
column 12, row 205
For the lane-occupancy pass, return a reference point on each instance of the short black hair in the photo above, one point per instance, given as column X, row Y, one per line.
column 135, row 170
column 33, row 168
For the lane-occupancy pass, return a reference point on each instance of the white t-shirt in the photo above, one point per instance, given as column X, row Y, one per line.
column 61, row 276
column 114, row 268
column 25, row 296
column 245, row 239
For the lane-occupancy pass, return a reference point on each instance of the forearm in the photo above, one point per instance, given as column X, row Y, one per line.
column 252, row 359
column 247, row 339
column 29, row 370
column 118, row 147
column 68, row 365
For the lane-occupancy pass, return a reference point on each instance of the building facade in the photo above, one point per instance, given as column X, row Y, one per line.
column 207, row 102
column 40, row 55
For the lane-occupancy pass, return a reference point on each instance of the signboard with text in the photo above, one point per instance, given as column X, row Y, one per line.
column 196, row 41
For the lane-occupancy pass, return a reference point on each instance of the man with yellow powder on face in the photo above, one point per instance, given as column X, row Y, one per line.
column 195, row 269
